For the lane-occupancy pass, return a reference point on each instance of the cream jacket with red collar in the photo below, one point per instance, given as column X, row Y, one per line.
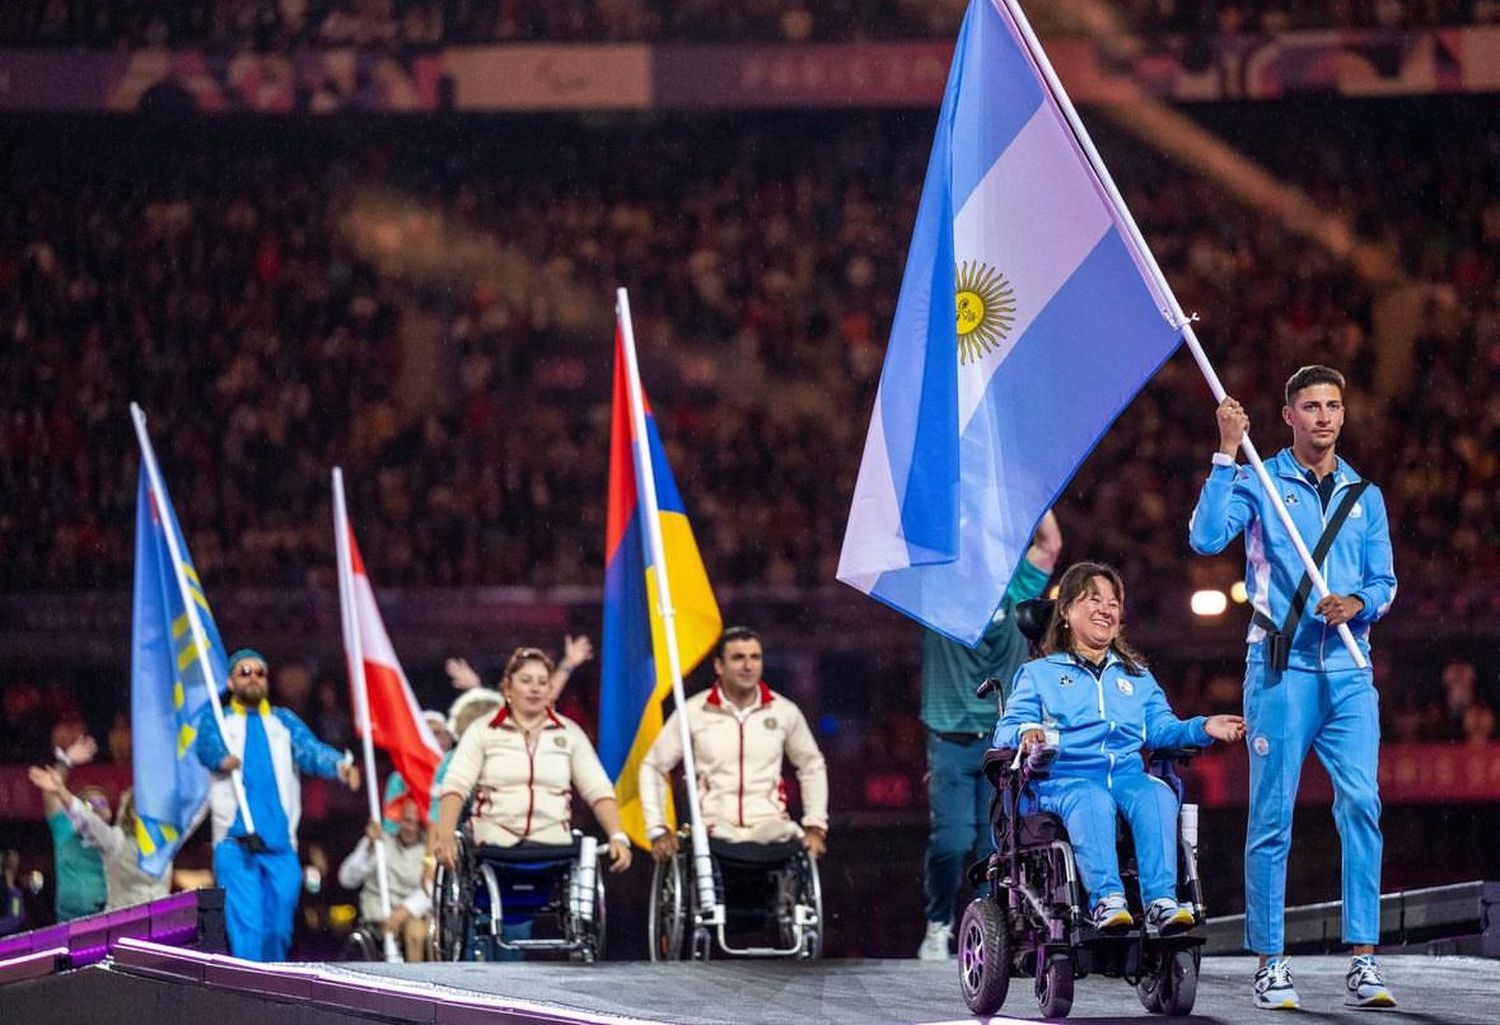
column 738, row 763
column 520, row 792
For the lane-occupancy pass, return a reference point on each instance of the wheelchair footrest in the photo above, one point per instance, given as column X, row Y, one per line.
column 545, row 944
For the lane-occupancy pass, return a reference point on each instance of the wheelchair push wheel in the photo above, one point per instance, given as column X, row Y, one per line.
column 667, row 918
column 1054, row 985
column 809, row 894
column 593, row 933
column 452, row 907
column 984, row 956
column 1172, row 988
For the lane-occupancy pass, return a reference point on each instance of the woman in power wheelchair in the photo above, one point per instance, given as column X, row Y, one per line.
column 1067, row 761
column 518, row 857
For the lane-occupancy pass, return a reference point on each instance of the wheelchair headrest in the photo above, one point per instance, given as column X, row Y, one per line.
column 1033, row 616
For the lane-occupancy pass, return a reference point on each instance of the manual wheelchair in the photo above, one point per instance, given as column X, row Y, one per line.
column 557, row 885
column 765, row 891
column 1034, row 922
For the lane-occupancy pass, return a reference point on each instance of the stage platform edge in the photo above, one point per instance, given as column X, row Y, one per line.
column 142, row 983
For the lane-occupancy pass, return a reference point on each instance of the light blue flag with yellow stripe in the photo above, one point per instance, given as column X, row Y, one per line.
column 167, row 689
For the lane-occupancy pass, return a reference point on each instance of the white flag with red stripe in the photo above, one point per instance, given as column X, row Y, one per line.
column 396, row 725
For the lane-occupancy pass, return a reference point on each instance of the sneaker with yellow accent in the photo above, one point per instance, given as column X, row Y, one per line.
column 1363, row 986
column 1112, row 914
column 1273, row 987
column 1166, row 917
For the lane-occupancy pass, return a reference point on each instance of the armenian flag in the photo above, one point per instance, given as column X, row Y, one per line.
column 635, row 678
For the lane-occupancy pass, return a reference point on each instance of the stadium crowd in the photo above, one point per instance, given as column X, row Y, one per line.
column 428, row 306
column 268, row 307
column 278, row 26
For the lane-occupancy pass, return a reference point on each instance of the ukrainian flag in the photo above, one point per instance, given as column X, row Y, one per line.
column 167, row 689
column 635, row 678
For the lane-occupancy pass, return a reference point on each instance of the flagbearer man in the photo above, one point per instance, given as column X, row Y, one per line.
column 1302, row 687
column 261, row 880
column 741, row 730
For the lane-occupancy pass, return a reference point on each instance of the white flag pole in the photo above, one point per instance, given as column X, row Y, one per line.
column 646, row 489
column 200, row 638
column 354, row 648
column 1173, row 311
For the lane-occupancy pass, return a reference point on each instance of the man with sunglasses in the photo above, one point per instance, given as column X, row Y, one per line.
column 260, row 873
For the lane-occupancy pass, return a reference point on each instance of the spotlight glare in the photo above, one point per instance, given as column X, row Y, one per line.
column 1209, row 603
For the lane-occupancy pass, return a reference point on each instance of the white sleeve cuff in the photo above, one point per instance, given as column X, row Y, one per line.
column 417, row 903
column 656, row 831
column 1021, row 731
column 1220, row 459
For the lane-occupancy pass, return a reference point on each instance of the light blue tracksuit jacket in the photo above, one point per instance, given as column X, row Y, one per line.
column 1359, row 563
column 1321, row 701
column 261, row 888
column 1103, row 718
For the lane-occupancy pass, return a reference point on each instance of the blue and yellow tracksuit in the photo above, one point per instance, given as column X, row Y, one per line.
column 1321, row 701
column 260, row 887
column 1104, row 716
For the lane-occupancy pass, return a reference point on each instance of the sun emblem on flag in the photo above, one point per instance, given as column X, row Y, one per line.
column 986, row 309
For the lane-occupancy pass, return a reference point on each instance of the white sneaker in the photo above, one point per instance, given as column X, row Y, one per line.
column 1363, row 986
column 1112, row 914
column 935, row 944
column 1166, row 917
column 1273, row 987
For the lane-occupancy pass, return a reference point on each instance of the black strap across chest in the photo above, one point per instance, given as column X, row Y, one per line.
column 1320, row 552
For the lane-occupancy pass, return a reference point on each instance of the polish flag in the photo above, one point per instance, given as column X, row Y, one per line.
column 395, row 720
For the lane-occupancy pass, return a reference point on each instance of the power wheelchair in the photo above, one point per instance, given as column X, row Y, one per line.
column 1034, row 920
column 768, row 902
column 560, row 886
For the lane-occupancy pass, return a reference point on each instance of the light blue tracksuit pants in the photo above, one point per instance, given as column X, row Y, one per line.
column 1088, row 809
column 260, row 899
column 1336, row 714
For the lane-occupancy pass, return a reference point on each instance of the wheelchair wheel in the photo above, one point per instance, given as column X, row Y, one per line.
column 1149, row 992
column 363, row 944
column 810, row 893
column 1175, row 984
column 593, row 947
column 667, row 918
column 984, row 956
column 1054, row 986
column 452, row 908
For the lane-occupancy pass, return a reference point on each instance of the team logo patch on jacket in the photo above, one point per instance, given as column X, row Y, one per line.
column 1126, row 687
column 1290, row 499
column 1065, row 680
column 771, row 723
column 1357, row 512
column 560, row 740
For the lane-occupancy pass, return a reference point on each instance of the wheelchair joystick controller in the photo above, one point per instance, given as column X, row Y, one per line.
column 1039, row 760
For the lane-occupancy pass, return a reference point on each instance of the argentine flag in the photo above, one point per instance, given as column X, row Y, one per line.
column 1027, row 321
